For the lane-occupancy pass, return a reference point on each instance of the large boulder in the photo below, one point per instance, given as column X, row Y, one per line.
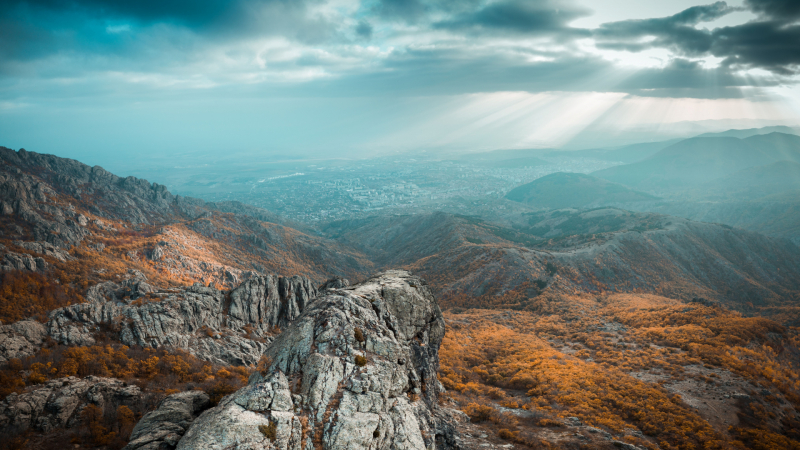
column 356, row 370
column 162, row 429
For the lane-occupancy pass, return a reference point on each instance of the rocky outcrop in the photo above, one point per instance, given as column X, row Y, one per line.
column 199, row 319
column 21, row 339
column 44, row 248
column 162, row 429
column 58, row 403
column 268, row 301
column 356, row 370
column 22, row 261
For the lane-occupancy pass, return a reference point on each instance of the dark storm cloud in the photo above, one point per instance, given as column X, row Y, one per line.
column 785, row 10
column 769, row 42
column 677, row 32
column 34, row 29
column 541, row 17
column 191, row 13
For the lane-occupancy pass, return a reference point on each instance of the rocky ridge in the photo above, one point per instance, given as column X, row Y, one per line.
column 221, row 327
column 356, row 370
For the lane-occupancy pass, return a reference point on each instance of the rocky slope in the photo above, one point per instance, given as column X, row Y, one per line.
column 59, row 203
column 60, row 402
column 229, row 328
column 356, row 370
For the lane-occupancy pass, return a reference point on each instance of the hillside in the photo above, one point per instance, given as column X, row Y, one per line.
column 780, row 178
column 475, row 263
column 573, row 190
column 696, row 161
column 120, row 224
column 641, row 370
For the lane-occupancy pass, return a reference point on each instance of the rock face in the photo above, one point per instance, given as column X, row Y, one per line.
column 21, row 261
column 27, row 192
column 44, row 248
column 58, row 403
column 21, row 339
column 198, row 319
column 162, row 429
column 356, row 370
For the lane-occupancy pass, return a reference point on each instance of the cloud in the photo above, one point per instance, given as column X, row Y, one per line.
column 364, row 29
column 769, row 42
column 380, row 47
column 543, row 17
column 779, row 10
column 404, row 10
column 677, row 32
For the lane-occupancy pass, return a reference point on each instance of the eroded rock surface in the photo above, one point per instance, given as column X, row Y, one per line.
column 58, row 403
column 356, row 370
column 21, row 339
column 198, row 319
column 21, row 261
column 162, row 429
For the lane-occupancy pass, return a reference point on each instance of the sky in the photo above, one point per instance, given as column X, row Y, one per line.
column 120, row 82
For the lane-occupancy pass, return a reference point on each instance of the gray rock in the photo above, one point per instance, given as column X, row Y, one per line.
column 58, row 403
column 22, row 261
column 157, row 254
column 162, row 429
column 318, row 392
column 195, row 319
column 45, row 248
column 334, row 283
column 21, row 339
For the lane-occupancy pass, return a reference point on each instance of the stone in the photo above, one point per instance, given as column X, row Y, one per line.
column 59, row 402
column 195, row 318
column 316, row 395
column 162, row 429
column 21, row 339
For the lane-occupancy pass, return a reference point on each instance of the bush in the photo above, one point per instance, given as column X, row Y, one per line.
column 359, row 335
column 361, row 361
column 269, row 431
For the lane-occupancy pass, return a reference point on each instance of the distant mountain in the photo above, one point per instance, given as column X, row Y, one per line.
column 475, row 263
column 626, row 154
column 741, row 134
column 573, row 190
column 779, row 179
column 696, row 161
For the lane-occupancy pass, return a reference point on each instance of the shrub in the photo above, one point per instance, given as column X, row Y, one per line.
column 361, row 361
column 359, row 335
column 269, row 431
column 479, row 413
